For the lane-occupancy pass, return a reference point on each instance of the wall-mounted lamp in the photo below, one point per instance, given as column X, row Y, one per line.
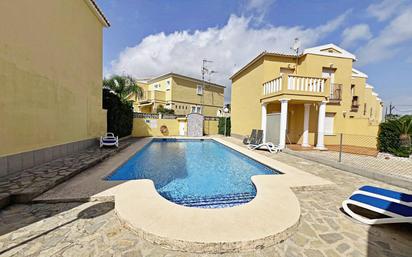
column 344, row 114
column 331, row 65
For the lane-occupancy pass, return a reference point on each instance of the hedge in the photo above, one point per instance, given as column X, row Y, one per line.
column 389, row 137
column 119, row 114
column 221, row 126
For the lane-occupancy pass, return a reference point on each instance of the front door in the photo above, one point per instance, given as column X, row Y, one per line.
column 273, row 128
column 181, row 128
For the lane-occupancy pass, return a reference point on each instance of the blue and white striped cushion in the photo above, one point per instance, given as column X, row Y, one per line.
column 392, row 207
column 388, row 193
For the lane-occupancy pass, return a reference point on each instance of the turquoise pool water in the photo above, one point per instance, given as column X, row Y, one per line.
column 197, row 173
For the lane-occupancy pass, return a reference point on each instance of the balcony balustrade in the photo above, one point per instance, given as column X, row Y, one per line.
column 293, row 84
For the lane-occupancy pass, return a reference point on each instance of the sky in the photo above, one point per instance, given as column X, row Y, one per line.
column 148, row 38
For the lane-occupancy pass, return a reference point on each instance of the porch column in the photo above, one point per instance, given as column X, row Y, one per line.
column 264, row 117
column 305, row 141
column 321, row 125
column 283, row 122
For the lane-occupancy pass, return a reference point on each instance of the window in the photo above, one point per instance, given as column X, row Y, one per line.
column 196, row 109
column 286, row 71
column 329, row 120
column 156, row 86
column 199, row 90
column 167, row 84
column 352, row 90
column 364, row 109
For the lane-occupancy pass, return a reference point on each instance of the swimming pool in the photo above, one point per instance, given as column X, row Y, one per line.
column 195, row 173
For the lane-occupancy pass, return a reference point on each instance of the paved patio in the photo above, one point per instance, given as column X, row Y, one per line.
column 22, row 187
column 92, row 229
column 395, row 166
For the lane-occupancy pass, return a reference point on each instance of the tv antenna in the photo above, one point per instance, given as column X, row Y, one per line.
column 295, row 48
column 205, row 70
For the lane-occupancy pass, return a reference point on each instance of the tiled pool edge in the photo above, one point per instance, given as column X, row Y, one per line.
column 308, row 181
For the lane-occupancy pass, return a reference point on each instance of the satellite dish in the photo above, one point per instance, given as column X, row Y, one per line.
column 296, row 45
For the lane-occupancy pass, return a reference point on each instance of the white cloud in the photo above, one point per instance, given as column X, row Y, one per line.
column 385, row 9
column 390, row 40
column 229, row 47
column 258, row 8
column 355, row 34
column 258, row 5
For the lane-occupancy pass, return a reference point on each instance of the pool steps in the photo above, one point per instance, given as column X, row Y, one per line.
column 217, row 201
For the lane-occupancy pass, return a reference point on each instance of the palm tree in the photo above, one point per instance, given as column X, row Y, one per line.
column 403, row 126
column 405, row 129
column 123, row 86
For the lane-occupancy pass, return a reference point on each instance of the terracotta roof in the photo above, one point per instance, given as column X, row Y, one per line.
column 260, row 56
column 171, row 74
column 318, row 50
column 99, row 13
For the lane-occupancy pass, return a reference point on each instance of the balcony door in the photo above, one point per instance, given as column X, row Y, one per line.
column 273, row 128
column 329, row 73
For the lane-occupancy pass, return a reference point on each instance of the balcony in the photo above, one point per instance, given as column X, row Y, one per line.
column 152, row 95
column 335, row 93
column 296, row 87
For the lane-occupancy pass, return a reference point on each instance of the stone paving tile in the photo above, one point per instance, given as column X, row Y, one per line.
column 395, row 166
column 23, row 186
column 92, row 229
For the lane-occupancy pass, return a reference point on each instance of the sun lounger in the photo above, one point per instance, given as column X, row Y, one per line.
column 257, row 143
column 109, row 140
column 394, row 207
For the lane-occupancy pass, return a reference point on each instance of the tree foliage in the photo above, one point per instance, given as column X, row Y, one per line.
column 224, row 121
column 123, row 86
column 395, row 136
column 161, row 109
column 119, row 114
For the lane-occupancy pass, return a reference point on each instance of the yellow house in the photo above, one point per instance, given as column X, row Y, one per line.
column 51, row 80
column 306, row 99
column 180, row 93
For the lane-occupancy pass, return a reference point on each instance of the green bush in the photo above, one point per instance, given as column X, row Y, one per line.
column 221, row 126
column 394, row 136
column 119, row 114
column 161, row 109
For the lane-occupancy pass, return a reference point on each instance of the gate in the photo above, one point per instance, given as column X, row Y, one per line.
column 273, row 128
column 195, row 125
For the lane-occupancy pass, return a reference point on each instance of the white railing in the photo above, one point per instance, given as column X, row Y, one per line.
column 308, row 84
column 272, row 86
column 294, row 83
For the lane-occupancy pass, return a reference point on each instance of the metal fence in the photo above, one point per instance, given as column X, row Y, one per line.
column 142, row 115
column 357, row 151
column 145, row 115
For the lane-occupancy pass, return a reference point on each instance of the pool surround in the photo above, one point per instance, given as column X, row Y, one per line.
column 271, row 217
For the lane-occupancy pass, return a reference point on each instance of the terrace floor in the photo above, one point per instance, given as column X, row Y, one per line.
column 362, row 157
column 93, row 229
